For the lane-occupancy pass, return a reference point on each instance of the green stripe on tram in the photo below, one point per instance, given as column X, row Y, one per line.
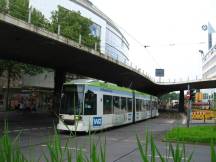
column 114, row 87
column 108, row 86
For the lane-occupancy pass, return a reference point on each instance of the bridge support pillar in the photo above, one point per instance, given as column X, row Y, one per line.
column 59, row 80
column 181, row 101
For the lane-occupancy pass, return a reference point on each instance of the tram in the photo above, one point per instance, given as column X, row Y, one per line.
column 90, row 105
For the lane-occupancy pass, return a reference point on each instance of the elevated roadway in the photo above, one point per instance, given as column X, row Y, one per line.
column 26, row 43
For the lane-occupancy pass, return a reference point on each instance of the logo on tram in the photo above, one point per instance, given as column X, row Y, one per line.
column 97, row 121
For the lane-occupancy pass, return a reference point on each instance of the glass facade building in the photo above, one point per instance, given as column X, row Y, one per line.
column 209, row 72
column 209, row 64
column 112, row 41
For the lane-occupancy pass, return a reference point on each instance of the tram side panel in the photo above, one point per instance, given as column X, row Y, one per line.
column 112, row 110
column 122, row 109
column 142, row 107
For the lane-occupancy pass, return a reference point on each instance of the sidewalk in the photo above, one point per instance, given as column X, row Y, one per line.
column 17, row 116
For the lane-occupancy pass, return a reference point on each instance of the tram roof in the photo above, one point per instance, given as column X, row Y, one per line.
column 103, row 84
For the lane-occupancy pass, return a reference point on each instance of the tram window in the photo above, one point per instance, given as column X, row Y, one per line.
column 107, row 104
column 154, row 103
column 123, row 104
column 147, row 105
column 150, row 105
column 138, row 105
column 129, row 104
column 116, row 104
column 142, row 105
column 90, row 106
column 72, row 100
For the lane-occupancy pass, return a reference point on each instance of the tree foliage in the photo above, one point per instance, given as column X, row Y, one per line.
column 73, row 25
column 19, row 9
column 170, row 96
column 16, row 69
column 3, row 6
column 38, row 19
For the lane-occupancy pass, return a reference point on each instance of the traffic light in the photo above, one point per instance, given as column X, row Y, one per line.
column 192, row 94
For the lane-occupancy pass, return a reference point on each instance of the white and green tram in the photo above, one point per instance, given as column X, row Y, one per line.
column 89, row 105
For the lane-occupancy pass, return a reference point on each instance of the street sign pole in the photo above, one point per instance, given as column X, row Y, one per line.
column 188, row 109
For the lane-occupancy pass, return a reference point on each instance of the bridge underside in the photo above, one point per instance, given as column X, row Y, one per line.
column 23, row 42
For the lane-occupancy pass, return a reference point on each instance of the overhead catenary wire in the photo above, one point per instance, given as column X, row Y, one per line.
column 145, row 46
column 149, row 45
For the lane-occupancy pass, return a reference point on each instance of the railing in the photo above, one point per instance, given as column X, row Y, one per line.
column 180, row 80
column 209, row 53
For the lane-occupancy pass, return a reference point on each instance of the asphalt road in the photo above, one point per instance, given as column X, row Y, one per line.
column 121, row 145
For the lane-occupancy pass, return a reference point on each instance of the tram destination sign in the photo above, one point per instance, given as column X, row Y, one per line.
column 159, row 72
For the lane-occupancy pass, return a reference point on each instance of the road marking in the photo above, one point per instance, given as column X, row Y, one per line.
column 31, row 129
column 164, row 156
column 170, row 121
column 69, row 148
column 113, row 139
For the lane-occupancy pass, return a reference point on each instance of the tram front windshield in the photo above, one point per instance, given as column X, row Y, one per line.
column 72, row 100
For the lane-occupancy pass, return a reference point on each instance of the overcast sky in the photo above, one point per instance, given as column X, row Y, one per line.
column 172, row 29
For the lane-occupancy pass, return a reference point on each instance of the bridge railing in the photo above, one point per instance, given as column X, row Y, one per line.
column 32, row 16
column 181, row 80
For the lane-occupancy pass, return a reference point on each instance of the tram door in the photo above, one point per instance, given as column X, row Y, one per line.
column 124, row 110
column 118, row 116
column 134, row 106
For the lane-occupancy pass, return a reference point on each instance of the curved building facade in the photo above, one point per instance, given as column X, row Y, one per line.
column 209, row 72
column 113, row 42
column 209, row 64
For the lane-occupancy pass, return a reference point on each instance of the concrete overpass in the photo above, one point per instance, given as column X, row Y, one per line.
column 196, row 84
column 26, row 43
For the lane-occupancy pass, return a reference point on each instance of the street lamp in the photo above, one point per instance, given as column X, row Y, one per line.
column 201, row 52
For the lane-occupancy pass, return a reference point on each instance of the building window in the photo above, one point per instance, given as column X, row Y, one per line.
column 95, row 30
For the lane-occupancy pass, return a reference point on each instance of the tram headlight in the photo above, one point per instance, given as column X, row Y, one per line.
column 78, row 117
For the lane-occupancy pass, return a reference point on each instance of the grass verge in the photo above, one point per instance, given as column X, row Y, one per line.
column 196, row 134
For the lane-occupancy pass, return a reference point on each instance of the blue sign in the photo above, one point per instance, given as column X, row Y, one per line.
column 97, row 121
column 159, row 72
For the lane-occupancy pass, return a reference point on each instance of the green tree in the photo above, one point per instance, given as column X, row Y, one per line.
column 3, row 6
column 13, row 70
column 38, row 19
column 170, row 96
column 72, row 26
column 19, row 9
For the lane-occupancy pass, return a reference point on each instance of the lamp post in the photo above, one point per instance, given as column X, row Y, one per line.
column 189, row 108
